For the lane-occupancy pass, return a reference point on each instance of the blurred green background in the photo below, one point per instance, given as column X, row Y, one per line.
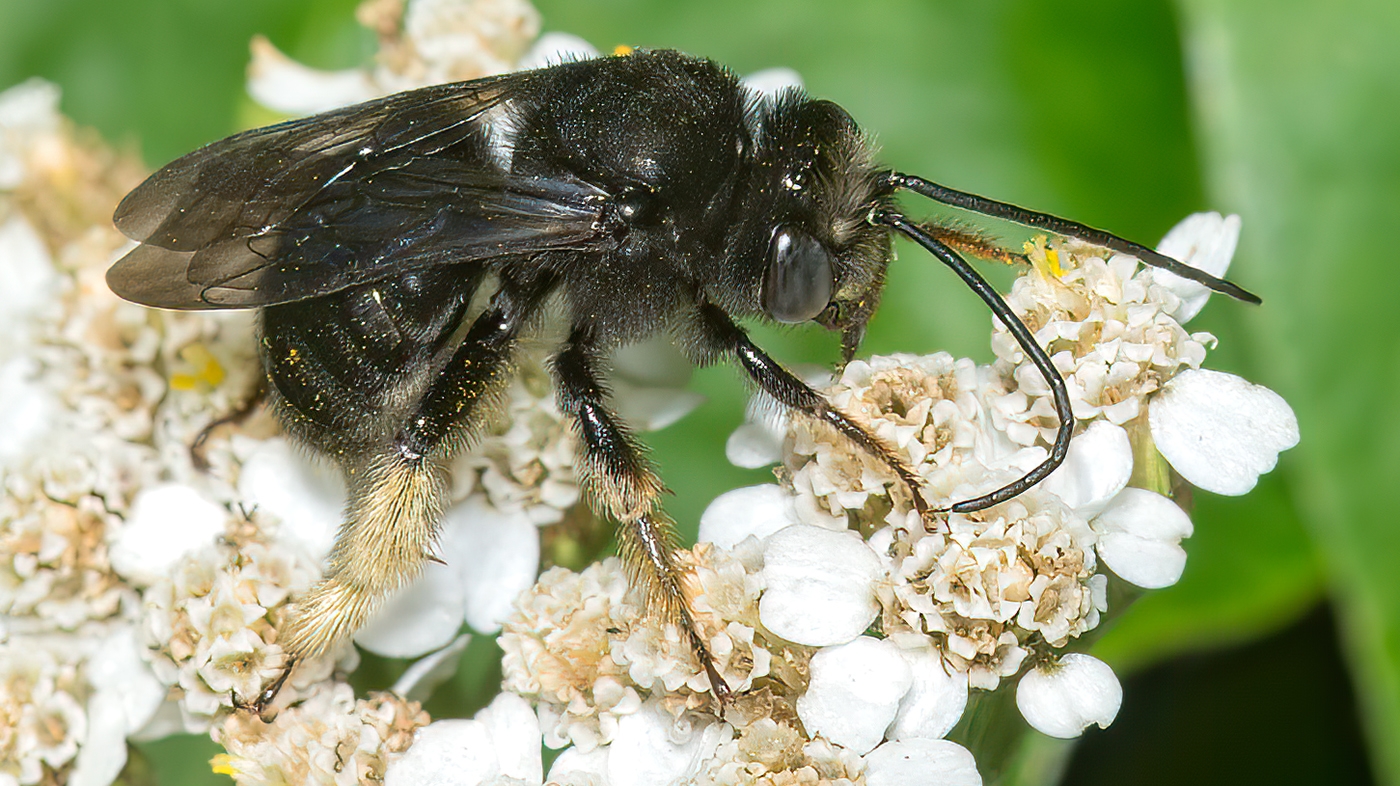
column 1277, row 658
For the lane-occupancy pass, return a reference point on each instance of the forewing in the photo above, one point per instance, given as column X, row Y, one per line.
column 312, row 206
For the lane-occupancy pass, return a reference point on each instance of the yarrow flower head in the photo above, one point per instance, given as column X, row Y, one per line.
column 988, row 594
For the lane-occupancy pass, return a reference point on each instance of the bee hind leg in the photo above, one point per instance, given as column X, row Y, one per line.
column 397, row 495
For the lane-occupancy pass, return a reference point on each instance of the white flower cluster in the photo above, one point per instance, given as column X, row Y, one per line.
column 210, row 624
column 328, row 738
column 583, row 650
column 157, row 578
column 988, row 592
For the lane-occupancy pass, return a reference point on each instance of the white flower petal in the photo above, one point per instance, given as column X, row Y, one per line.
column 1098, row 466
column 31, row 282
column 554, row 48
column 651, row 748
column 431, row 670
column 502, row 741
column 1219, row 431
column 1205, row 241
column 1061, row 700
column 854, row 692
column 771, row 80
column 166, row 522
column 652, row 408
column 103, row 751
column 515, row 734
column 419, row 618
column 446, row 753
column 126, row 695
column 653, row 362
column 575, row 768
column 27, row 409
column 284, row 85
column 496, row 556
column 1140, row 538
column 734, row 515
column 307, row 496
column 818, row 585
column 921, row 762
column 753, row 446
column 935, row 701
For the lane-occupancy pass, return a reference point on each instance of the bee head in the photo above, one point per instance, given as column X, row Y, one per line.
column 805, row 231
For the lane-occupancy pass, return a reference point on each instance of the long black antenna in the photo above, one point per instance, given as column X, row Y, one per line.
column 1023, row 337
column 1063, row 226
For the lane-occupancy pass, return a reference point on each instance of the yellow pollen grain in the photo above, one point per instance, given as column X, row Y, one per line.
column 222, row 764
column 208, row 371
column 622, row 50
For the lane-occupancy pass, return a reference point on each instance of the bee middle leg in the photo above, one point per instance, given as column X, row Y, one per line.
column 622, row 482
column 721, row 335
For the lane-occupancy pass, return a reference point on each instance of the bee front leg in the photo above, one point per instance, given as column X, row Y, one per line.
column 622, row 482
column 727, row 338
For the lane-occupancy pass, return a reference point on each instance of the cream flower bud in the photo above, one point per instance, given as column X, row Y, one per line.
column 1062, row 699
column 854, row 692
column 819, row 585
column 1219, row 431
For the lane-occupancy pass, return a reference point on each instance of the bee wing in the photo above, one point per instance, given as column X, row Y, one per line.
column 312, row 206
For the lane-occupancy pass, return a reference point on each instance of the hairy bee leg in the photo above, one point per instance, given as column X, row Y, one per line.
column 792, row 392
column 623, row 483
column 398, row 496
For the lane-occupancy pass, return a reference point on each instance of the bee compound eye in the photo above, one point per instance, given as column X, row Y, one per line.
column 799, row 281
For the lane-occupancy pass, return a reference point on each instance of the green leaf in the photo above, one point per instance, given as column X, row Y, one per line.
column 1299, row 107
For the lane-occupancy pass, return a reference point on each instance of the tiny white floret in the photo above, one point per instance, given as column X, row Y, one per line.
column 418, row 619
column 1219, row 431
column 307, row 496
column 854, row 692
column 1062, row 699
column 555, row 48
column 818, row 585
column 495, row 555
column 770, row 81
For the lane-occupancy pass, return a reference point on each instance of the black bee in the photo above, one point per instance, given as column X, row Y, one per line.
column 645, row 192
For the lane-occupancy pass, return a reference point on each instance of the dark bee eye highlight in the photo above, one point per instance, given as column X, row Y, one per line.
column 799, row 281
